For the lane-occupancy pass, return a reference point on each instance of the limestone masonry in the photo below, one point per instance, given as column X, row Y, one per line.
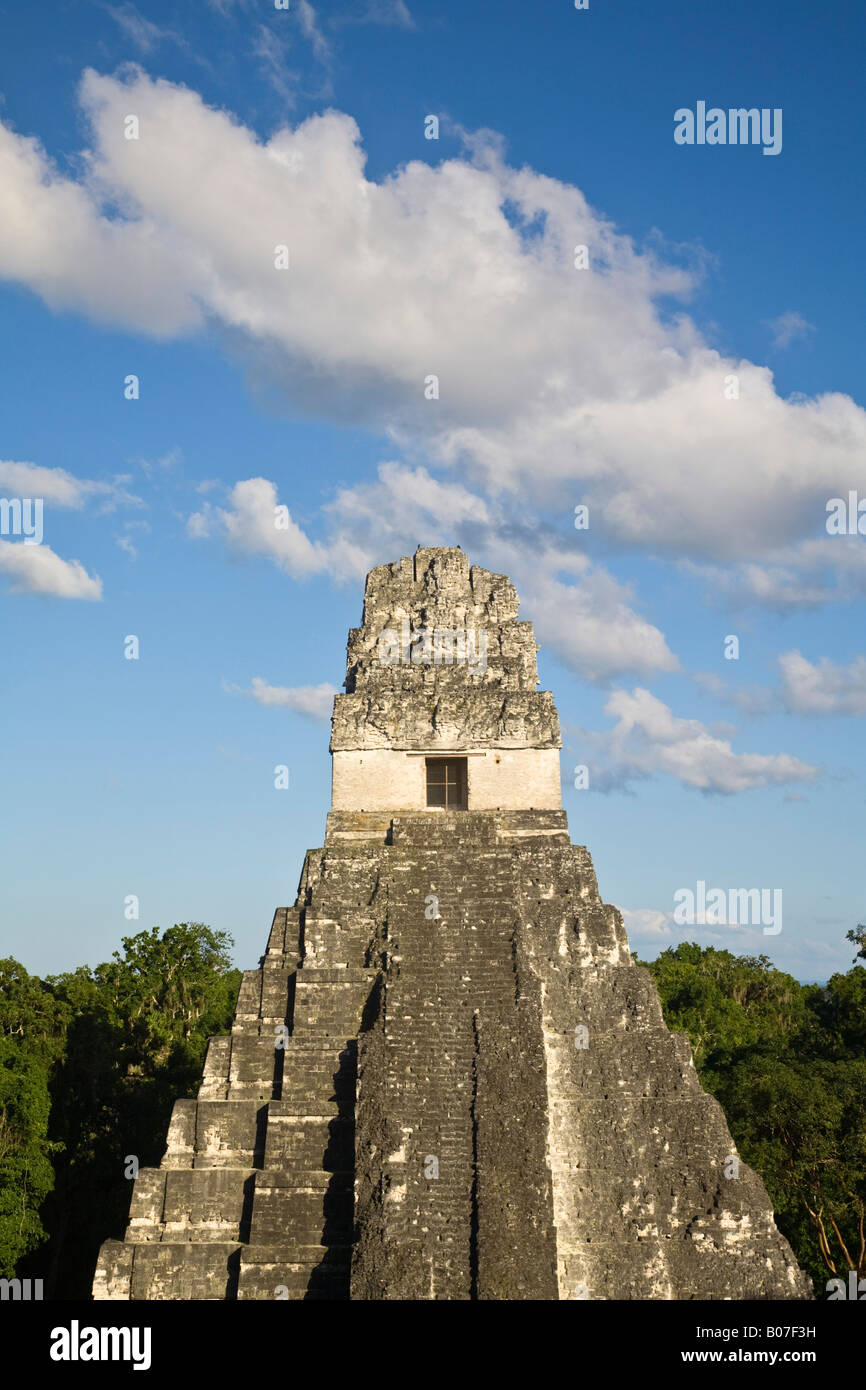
column 447, row 1079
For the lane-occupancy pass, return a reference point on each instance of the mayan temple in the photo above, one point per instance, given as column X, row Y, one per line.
column 447, row 1079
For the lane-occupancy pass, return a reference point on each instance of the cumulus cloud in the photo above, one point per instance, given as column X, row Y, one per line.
column 256, row 524
column 35, row 569
column 554, row 382
column 824, row 687
column 648, row 739
column 589, row 621
column 312, row 701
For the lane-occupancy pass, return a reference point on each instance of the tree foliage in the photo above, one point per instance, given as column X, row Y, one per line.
column 787, row 1062
column 90, row 1066
column 32, row 1024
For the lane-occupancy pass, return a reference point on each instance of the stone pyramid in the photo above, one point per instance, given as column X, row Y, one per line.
column 447, row 1079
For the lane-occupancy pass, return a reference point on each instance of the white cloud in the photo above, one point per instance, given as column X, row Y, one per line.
column 558, row 384
column 404, row 507
column 824, row 687
column 804, row 576
column 779, row 587
column 54, row 239
column 35, row 569
column 647, row 739
column 588, row 622
column 788, row 327
column 51, row 484
column 250, row 527
column 62, row 489
column 812, row 688
column 312, row 701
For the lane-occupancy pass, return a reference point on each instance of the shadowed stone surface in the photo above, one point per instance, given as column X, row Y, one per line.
column 478, row 1097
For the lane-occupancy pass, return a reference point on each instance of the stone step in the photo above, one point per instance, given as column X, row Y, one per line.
column 217, row 1133
column 351, row 976
column 297, row 1141
column 189, row 1204
column 294, row 1254
column 168, row 1271
column 279, row 1278
column 313, row 1180
column 307, row 1207
column 284, row 932
column 314, row 1108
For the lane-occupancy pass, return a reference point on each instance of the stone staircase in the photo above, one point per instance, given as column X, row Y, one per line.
column 254, row 1196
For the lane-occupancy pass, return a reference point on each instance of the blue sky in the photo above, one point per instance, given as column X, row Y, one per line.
column 609, row 385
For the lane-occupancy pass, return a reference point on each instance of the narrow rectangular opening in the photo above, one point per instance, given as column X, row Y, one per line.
column 447, row 783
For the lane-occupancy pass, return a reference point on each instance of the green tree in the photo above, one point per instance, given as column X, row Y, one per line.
column 787, row 1063
column 858, row 938
column 130, row 1039
column 32, row 1027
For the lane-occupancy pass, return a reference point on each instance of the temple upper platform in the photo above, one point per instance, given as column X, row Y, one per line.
column 441, row 707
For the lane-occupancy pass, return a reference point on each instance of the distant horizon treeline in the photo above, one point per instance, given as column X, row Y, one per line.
column 92, row 1060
